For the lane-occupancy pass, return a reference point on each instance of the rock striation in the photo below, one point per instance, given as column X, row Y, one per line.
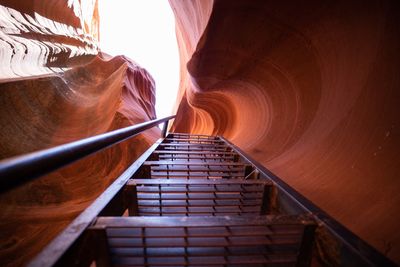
column 44, row 37
column 308, row 89
column 56, row 87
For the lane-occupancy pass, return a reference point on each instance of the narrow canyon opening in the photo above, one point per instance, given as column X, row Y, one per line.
column 145, row 32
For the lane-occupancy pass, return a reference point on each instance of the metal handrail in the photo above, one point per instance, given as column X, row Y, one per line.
column 18, row 170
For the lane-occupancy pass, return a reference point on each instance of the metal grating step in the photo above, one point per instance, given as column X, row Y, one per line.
column 203, row 156
column 203, row 152
column 192, row 136
column 192, row 141
column 194, row 145
column 200, row 158
column 193, row 169
column 205, row 241
column 198, row 197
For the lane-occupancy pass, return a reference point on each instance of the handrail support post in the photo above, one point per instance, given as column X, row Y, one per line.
column 164, row 129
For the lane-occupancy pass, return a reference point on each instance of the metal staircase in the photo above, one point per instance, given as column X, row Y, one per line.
column 194, row 201
column 186, row 210
column 190, row 200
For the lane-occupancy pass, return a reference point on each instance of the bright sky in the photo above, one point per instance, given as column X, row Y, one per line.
column 144, row 30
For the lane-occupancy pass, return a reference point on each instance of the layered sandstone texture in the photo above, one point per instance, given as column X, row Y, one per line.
column 56, row 87
column 43, row 37
column 311, row 90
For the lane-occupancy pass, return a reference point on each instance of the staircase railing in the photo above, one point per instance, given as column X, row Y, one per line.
column 21, row 169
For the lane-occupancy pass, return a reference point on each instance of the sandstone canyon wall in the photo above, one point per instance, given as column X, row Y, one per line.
column 308, row 88
column 56, row 87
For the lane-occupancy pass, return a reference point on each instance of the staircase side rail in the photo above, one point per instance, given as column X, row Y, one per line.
column 353, row 250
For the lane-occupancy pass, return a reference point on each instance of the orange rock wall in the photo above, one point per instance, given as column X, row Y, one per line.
column 308, row 89
column 79, row 93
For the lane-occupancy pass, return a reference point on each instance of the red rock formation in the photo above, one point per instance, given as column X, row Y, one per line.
column 96, row 94
column 40, row 37
column 310, row 90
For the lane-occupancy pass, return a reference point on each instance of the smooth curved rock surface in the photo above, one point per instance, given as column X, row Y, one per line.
column 308, row 89
column 79, row 93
